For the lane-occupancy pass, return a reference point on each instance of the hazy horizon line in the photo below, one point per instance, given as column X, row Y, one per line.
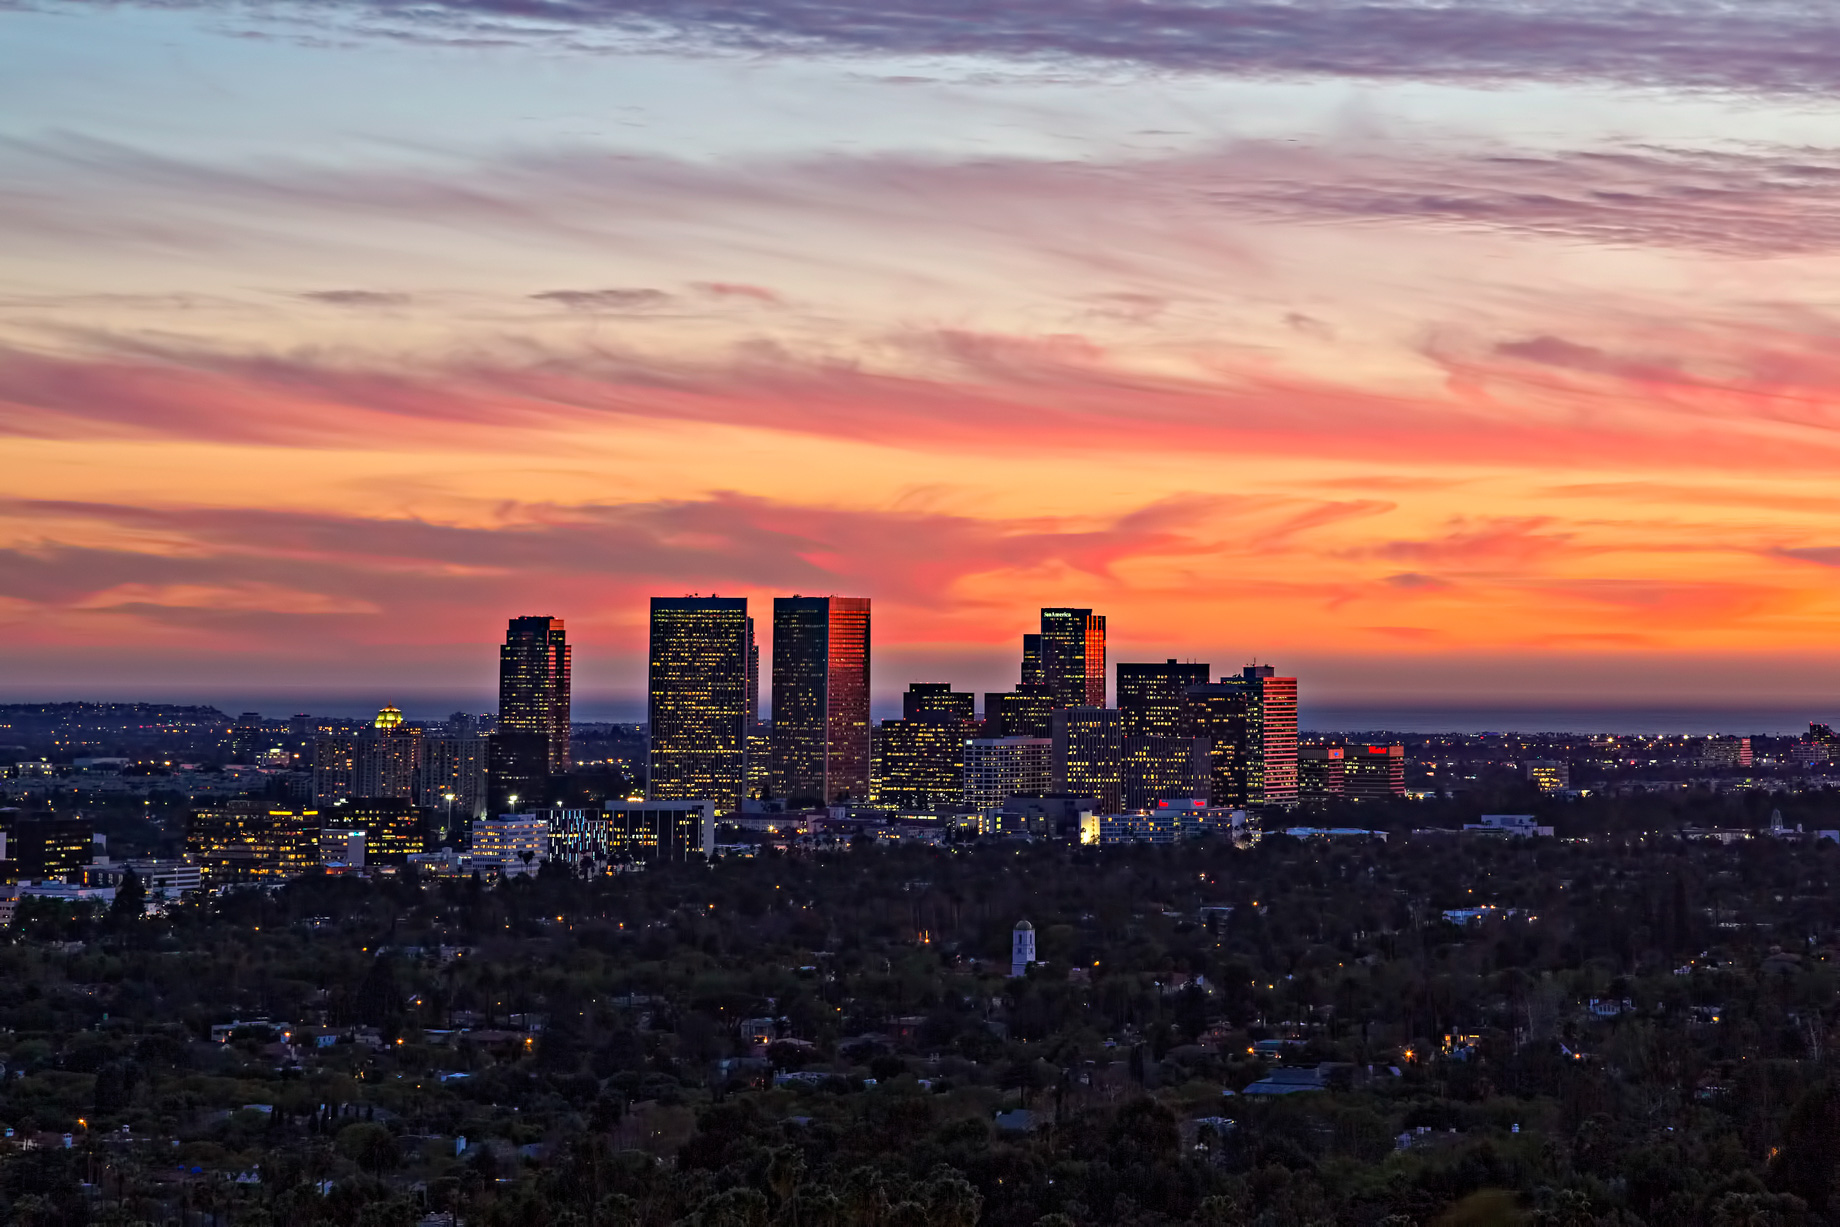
column 1648, row 718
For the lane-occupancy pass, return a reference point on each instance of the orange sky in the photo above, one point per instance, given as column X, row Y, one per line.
column 1431, row 391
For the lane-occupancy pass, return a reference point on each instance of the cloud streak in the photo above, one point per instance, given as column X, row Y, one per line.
column 1759, row 202
column 1778, row 46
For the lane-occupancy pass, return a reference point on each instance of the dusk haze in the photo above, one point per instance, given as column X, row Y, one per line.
column 920, row 613
column 1474, row 356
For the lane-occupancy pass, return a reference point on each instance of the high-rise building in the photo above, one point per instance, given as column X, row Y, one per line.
column 820, row 737
column 383, row 760
column 1089, row 755
column 1026, row 711
column 1319, row 774
column 753, row 667
column 1373, row 773
column 998, row 768
column 453, row 779
column 533, row 685
column 335, row 767
column 1153, row 698
column 1276, row 711
column 1225, row 713
column 1156, row 769
column 389, row 757
column 1032, row 674
column 937, row 701
column 1251, row 721
column 1073, row 656
column 248, row 737
column 517, row 772
column 920, row 758
column 697, row 683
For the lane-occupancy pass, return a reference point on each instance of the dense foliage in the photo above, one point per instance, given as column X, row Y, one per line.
column 563, row 1051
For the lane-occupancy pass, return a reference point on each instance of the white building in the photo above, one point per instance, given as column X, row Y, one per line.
column 1508, row 824
column 513, row 840
column 1021, row 948
column 169, row 879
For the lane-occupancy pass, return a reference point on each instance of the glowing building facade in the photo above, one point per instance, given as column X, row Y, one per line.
column 533, row 685
column 244, row 840
column 820, row 736
column 1088, row 755
column 697, row 700
column 1073, row 656
column 1374, row 773
column 998, row 768
column 1320, row 773
column 1157, row 769
column 1153, row 698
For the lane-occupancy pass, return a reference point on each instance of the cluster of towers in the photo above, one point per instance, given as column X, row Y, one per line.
column 1175, row 733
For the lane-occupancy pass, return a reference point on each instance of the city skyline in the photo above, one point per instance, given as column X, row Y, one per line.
column 1445, row 376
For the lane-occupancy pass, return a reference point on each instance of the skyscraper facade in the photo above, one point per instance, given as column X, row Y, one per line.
column 820, row 737
column 939, row 702
column 920, row 758
column 998, row 768
column 697, row 707
column 453, row 778
column 1089, row 755
column 1031, row 662
column 1153, row 698
column 1374, row 773
column 1251, row 723
column 1156, row 769
column 517, row 772
column 920, row 764
column 1319, row 773
column 1276, row 711
column 1223, row 713
column 533, row 685
column 1026, row 711
column 1073, row 656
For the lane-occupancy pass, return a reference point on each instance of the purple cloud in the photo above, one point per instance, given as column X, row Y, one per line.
column 605, row 300
column 1783, row 46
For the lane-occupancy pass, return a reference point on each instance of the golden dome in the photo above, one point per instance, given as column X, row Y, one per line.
column 389, row 718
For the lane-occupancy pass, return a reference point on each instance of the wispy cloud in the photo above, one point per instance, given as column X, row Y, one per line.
column 356, row 298
column 1743, row 203
column 1788, row 46
column 605, row 300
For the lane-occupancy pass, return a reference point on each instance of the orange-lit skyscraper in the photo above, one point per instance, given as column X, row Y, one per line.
column 1277, row 722
column 698, row 713
column 1073, row 656
column 820, row 737
column 533, row 685
column 1251, row 723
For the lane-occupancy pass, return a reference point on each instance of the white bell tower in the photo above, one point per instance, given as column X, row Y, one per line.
column 1021, row 948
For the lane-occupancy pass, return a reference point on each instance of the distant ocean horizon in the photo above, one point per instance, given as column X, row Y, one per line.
column 1535, row 718
column 1648, row 718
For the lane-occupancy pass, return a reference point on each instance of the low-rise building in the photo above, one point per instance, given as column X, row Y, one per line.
column 1524, row 825
column 511, row 838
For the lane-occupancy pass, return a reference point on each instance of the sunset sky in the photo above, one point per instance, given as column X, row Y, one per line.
column 1471, row 353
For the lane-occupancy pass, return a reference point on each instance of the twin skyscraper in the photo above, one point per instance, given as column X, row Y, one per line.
column 704, row 701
